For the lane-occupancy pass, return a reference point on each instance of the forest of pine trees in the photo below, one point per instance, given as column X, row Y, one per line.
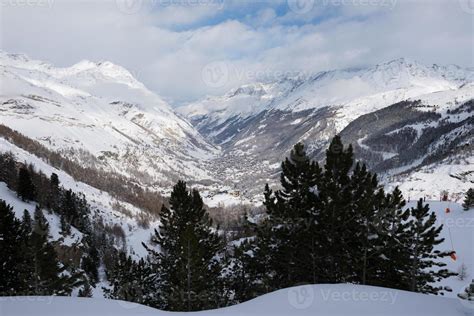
column 29, row 264
column 37, row 265
column 330, row 223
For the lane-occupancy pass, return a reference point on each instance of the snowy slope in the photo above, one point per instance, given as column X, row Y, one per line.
column 458, row 232
column 364, row 90
column 101, row 205
column 102, row 109
column 314, row 300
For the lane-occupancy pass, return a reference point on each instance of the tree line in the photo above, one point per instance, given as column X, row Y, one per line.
column 117, row 185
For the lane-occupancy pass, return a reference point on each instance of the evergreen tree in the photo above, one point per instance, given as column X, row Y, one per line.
column 26, row 222
column 54, row 193
column 392, row 228
column 13, row 277
column 469, row 200
column 468, row 293
column 188, row 264
column 65, row 225
column 86, row 290
column 25, row 189
column 91, row 260
column 422, row 237
column 131, row 281
column 244, row 273
column 338, row 218
column 462, row 272
column 8, row 170
column 49, row 277
column 367, row 208
column 286, row 238
column 54, row 180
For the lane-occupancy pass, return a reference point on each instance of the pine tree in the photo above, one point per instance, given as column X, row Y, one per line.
column 338, row 218
column 244, row 273
column 469, row 200
column 188, row 264
column 26, row 222
column 49, row 277
column 131, row 281
column 423, row 236
column 25, row 189
column 8, row 170
column 86, row 290
column 287, row 234
column 119, row 279
column 468, row 293
column 91, row 260
column 392, row 228
column 54, row 193
column 65, row 225
column 462, row 272
column 14, row 258
column 366, row 209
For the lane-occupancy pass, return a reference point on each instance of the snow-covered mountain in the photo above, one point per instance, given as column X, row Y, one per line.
column 257, row 124
column 100, row 114
column 354, row 91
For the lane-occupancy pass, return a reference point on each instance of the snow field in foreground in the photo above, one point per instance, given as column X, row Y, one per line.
column 314, row 300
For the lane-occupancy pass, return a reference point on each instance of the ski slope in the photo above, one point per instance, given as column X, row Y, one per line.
column 458, row 232
column 314, row 300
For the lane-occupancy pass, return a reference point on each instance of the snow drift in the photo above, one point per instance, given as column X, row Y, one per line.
column 314, row 300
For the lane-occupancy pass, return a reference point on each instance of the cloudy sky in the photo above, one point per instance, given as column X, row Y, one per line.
column 186, row 49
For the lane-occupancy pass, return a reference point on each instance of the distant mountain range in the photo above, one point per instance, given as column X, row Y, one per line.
column 410, row 122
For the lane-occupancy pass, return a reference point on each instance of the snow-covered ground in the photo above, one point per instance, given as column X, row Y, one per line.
column 458, row 231
column 314, row 300
column 101, row 203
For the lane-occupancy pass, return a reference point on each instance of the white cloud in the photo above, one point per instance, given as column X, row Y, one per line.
column 167, row 46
